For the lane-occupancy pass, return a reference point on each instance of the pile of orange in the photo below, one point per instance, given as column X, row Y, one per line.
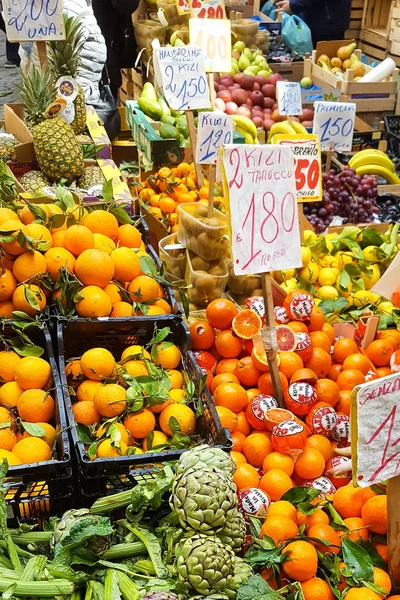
column 27, row 409
column 104, row 404
column 87, row 264
column 164, row 191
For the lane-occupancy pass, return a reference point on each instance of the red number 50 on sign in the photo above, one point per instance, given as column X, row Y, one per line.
column 307, row 158
column 259, row 181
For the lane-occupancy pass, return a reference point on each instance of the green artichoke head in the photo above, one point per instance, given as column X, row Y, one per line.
column 234, row 532
column 204, row 456
column 204, row 499
column 205, row 565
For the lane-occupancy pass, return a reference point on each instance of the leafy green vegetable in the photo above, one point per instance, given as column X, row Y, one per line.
column 153, row 548
column 255, row 588
column 358, row 560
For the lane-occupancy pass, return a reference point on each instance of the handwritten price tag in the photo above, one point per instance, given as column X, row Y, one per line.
column 334, row 124
column 182, row 7
column 213, row 131
column 289, row 98
column 183, row 77
column 213, row 36
column 375, row 418
column 207, row 9
column 33, row 20
column 307, row 165
column 260, row 184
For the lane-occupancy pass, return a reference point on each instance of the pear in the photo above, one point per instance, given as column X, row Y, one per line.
column 244, row 62
column 247, row 52
column 265, row 73
column 235, row 54
column 259, row 59
column 239, row 46
column 252, row 70
column 345, row 52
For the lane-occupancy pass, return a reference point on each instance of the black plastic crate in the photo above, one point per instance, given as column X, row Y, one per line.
column 109, row 475
column 392, row 134
column 38, row 490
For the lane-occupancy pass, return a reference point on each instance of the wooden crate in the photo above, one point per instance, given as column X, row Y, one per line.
column 377, row 17
column 131, row 87
column 394, row 34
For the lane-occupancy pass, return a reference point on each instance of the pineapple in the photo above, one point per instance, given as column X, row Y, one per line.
column 58, row 151
column 34, row 180
column 65, row 59
column 91, row 176
column 7, row 146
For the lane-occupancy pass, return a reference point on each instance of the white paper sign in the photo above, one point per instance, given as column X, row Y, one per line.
column 214, row 38
column 375, row 417
column 183, row 77
column 334, row 124
column 308, row 171
column 386, row 285
column 289, row 98
column 34, row 20
column 214, row 130
column 260, row 184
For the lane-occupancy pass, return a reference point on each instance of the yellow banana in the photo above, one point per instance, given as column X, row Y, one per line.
column 372, row 159
column 298, row 127
column 246, row 124
column 378, row 170
column 283, row 127
column 248, row 138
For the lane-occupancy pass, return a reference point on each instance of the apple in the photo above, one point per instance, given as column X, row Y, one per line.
column 274, row 78
column 306, row 83
column 247, row 82
column 260, row 80
column 268, row 124
column 268, row 103
column 307, row 124
column 225, row 95
column 216, row 86
column 267, row 111
column 237, row 78
column 227, row 81
column 239, row 96
column 249, row 103
column 219, row 104
column 256, row 87
column 231, row 108
column 257, row 98
column 244, row 111
column 308, row 115
column 277, row 117
column 221, row 87
column 258, row 121
column 269, row 90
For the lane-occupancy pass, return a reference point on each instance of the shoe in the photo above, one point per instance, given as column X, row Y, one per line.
column 11, row 65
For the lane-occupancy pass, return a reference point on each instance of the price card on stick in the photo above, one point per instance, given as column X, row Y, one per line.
column 261, row 186
column 207, row 9
column 214, row 130
column 334, row 124
column 307, row 165
column 214, row 38
column 183, row 77
column 182, row 7
column 33, row 20
column 289, row 98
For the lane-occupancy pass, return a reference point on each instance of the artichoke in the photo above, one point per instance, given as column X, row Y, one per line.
column 160, row 596
column 234, row 532
column 205, row 565
column 204, row 456
column 204, row 499
column 78, row 529
column 242, row 572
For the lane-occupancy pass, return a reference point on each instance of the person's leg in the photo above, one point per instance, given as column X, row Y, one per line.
column 327, row 37
column 12, row 53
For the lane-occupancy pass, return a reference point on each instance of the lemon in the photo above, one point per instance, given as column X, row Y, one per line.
column 327, row 276
column 371, row 253
column 386, row 307
column 289, row 285
column 309, row 273
column 327, row 292
column 363, row 297
column 325, row 260
column 309, row 236
column 342, row 292
column 371, row 279
column 305, row 255
column 281, row 276
column 317, row 300
column 345, row 257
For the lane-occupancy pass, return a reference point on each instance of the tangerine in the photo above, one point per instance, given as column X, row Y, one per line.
column 278, row 460
column 379, row 352
column 221, row 312
column 302, row 560
column 202, row 335
column 343, row 348
column 246, row 476
column 349, row 378
column 255, row 448
column 227, row 344
column 231, row 395
column 246, row 324
column 326, row 533
column 247, row 372
column 319, row 362
column 290, row 362
column 327, row 391
column 276, row 483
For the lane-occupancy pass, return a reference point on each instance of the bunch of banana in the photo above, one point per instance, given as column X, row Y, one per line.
column 374, row 162
column 286, row 128
column 246, row 128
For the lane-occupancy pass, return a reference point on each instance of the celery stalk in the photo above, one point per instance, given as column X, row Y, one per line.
column 124, row 550
column 111, row 589
column 127, row 588
column 34, row 568
column 109, row 503
column 37, row 589
column 33, row 537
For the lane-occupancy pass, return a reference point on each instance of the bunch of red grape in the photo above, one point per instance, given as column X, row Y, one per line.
column 345, row 195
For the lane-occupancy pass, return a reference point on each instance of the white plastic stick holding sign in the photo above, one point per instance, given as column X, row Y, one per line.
column 184, row 77
column 214, row 38
column 33, row 20
column 375, row 420
column 289, row 98
column 334, row 124
column 214, row 130
column 260, row 184
column 307, row 158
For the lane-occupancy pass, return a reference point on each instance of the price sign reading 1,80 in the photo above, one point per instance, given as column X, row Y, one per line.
column 262, row 195
column 334, row 124
column 183, row 77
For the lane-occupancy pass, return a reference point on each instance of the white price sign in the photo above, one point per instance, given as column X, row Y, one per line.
column 260, row 184
column 289, row 98
column 183, row 77
column 307, row 165
column 375, row 422
column 213, row 131
column 214, row 38
column 334, row 124
column 33, row 20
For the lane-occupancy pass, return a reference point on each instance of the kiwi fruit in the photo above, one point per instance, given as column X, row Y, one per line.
column 204, row 283
column 257, row 292
column 218, row 271
column 198, row 263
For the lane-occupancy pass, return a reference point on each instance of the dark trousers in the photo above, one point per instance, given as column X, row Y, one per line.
column 11, row 48
column 336, row 35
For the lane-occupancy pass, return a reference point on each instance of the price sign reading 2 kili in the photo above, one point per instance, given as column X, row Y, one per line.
column 260, row 184
column 183, row 77
column 289, row 98
column 214, row 130
column 334, row 124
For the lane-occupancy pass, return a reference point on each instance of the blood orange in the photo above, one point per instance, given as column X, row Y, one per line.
column 286, row 339
column 273, row 416
column 205, row 360
column 246, row 324
column 299, row 305
column 256, row 409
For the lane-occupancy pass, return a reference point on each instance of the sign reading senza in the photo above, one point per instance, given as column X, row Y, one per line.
column 183, row 77
column 260, row 184
column 375, row 420
column 214, row 130
column 34, row 20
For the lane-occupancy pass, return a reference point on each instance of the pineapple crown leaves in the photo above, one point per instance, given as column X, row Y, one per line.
column 36, row 91
column 65, row 55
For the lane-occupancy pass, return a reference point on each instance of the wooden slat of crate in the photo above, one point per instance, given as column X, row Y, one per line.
column 351, row 34
column 356, row 13
column 372, row 51
column 377, row 16
column 372, row 104
column 395, row 58
column 357, row 4
column 374, row 39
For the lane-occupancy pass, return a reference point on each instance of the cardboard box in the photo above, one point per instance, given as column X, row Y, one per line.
column 98, row 134
column 14, row 124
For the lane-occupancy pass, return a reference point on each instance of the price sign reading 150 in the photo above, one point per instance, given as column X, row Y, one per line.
column 334, row 124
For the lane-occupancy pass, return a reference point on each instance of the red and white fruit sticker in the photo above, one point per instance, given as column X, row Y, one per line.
column 301, row 306
column 287, row 428
column 307, row 161
column 324, row 420
column 260, row 404
column 341, row 431
column 280, row 315
column 253, row 502
column 322, row 484
column 256, row 303
column 302, row 393
column 259, row 183
column 207, row 9
column 303, row 341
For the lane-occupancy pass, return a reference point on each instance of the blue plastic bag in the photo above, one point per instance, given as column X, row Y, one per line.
column 269, row 10
column 296, row 34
